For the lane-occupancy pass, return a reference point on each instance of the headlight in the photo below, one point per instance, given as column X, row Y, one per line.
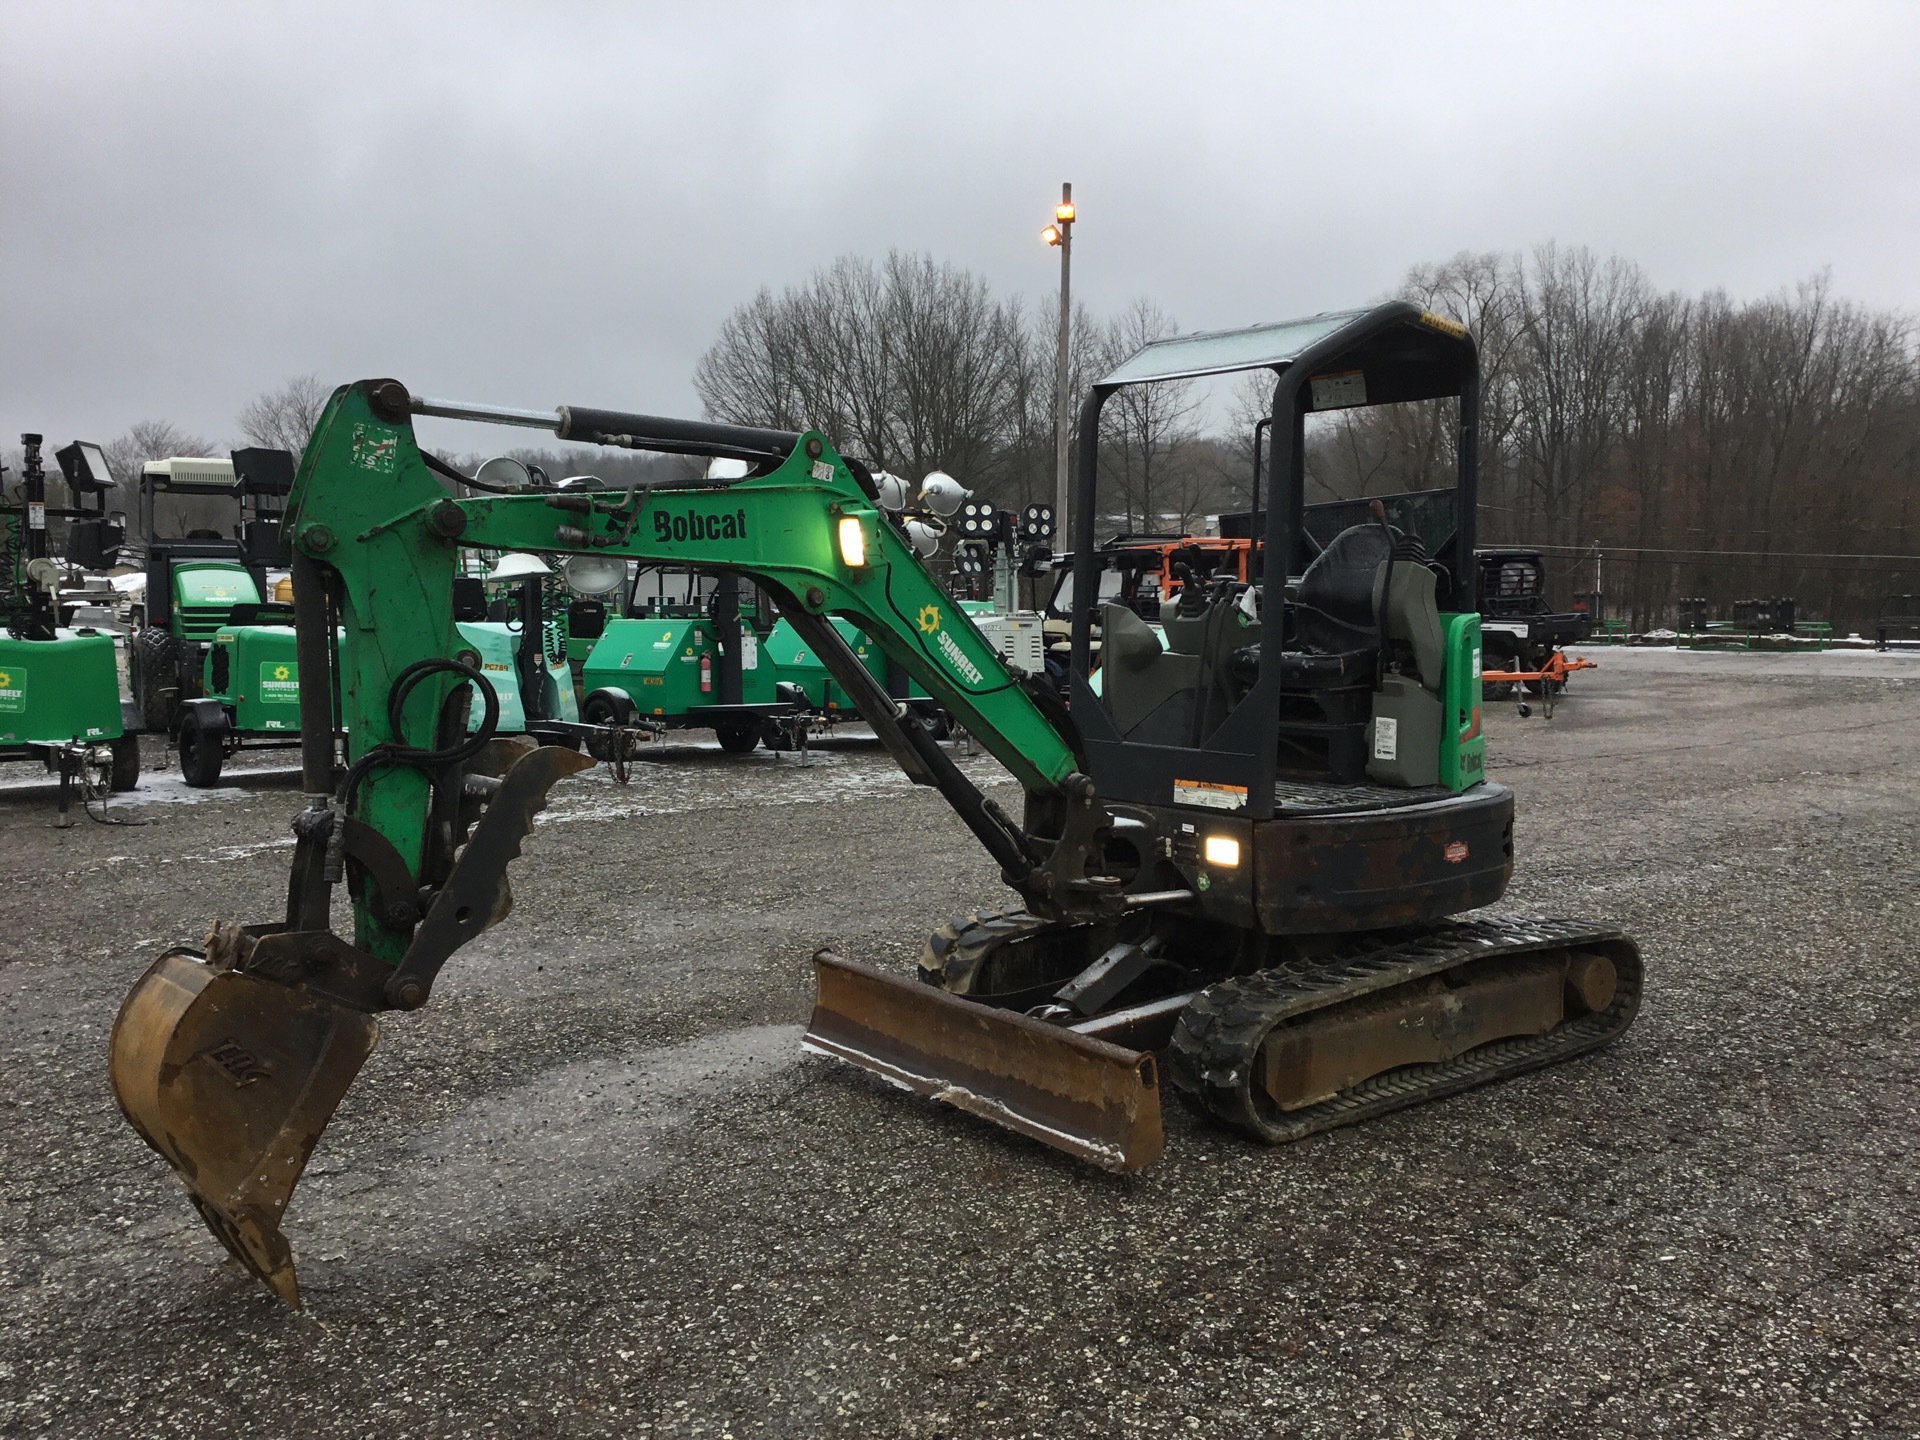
column 1222, row 850
column 853, row 541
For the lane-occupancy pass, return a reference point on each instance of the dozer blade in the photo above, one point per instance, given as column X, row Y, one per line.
column 232, row 1078
column 1094, row 1100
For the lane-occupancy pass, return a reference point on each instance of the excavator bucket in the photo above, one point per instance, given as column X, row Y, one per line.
column 1097, row 1101
column 232, row 1078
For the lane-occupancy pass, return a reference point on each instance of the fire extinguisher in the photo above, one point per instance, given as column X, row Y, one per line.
column 706, row 674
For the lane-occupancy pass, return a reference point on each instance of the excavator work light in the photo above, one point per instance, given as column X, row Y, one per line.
column 1222, row 850
column 853, row 541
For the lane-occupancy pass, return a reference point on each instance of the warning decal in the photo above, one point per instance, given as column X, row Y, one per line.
column 1210, row 794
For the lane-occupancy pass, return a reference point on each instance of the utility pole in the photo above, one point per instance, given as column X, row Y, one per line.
column 1060, row 233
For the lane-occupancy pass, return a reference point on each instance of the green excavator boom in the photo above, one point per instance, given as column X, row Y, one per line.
column 231, row 1063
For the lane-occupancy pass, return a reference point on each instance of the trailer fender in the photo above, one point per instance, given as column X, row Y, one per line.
column 210, row 715
column 609, row 705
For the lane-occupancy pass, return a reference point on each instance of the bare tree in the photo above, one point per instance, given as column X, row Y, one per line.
column 1143, row 425
column 283, row 419
column 1230, row 459
column 1030, row 457
column 1579, row 314
column 159, row 440
column 912, row 364
column 150, row 440
column 950, row 350
column 751, row 374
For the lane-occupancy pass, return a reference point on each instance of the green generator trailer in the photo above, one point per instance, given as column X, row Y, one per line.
column 59, row 685
column 687, row 653
column 537, row 687
column 60, row 704
column 249, row 692
column 556, row 712
column 668, row 673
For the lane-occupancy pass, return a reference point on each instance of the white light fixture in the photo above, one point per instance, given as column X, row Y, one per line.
column 517, row 566
column 924, row 538
column 594, row 574
column 1222, row 850
column 942, row 494
column 503, row 472
column 894, row 492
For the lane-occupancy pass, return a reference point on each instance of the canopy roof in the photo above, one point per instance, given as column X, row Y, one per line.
column 1395, row 351
column 1216, row 352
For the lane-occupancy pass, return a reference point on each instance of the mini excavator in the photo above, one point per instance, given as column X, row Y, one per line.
column 1249, row 840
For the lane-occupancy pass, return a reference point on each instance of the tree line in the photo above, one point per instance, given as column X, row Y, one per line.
column 1705, row 446
column 914, row 365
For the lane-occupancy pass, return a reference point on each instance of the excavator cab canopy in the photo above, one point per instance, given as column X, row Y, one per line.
column 1204, row 707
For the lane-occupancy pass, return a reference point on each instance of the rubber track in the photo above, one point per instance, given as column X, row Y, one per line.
column 1211, row 1060
column 962, row 938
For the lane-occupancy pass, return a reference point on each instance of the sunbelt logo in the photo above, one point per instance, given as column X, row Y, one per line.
column 13, row 689
column 280, row 682
column 929, row 620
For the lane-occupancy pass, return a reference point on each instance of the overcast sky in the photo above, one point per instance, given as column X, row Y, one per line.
column 537, row 205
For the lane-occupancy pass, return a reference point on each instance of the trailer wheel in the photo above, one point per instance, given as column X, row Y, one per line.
column 737, row 739
column 201, row 754
column 776, row 735
column 604, row 709
column 153, row 663
column 126, row 763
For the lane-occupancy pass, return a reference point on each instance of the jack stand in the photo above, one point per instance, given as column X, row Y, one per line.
column 67, row 768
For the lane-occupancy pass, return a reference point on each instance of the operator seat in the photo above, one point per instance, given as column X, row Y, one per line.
column 1148, row 689
column 1331, row 680
column 1336, row 633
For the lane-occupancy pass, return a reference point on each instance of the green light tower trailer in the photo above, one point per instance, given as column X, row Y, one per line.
column 59, row 685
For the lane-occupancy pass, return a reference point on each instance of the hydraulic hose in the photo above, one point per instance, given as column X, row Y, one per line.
column 397, row 752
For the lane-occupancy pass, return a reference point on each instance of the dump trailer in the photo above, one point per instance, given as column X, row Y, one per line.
column 1204, row 891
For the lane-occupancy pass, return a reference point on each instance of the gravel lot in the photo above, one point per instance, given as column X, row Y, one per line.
column 594, row 1190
